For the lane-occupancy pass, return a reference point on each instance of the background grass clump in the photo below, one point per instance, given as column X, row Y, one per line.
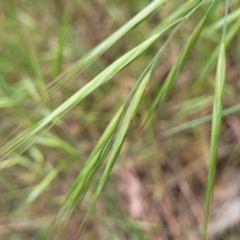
column 112, row 116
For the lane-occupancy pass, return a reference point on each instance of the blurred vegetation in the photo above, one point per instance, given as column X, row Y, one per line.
column 93, row 90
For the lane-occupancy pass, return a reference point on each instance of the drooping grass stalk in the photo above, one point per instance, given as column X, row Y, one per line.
column 125, row 124
column 216, row 126
column 112, row 139
column 102, row 78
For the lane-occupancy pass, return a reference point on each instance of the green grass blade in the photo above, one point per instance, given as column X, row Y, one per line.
column 216, row 125
column 120, row 139
column 94, row 159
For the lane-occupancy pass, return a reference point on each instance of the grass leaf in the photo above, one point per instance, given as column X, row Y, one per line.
column 216, row 126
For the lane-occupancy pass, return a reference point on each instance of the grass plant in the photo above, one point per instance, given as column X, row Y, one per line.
column 73, row 116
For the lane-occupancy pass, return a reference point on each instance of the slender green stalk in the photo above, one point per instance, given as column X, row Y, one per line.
column 216, row 127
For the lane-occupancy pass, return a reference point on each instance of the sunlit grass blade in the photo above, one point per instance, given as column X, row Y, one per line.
column 216, row 125
column 102, row 78
column 215, row 133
